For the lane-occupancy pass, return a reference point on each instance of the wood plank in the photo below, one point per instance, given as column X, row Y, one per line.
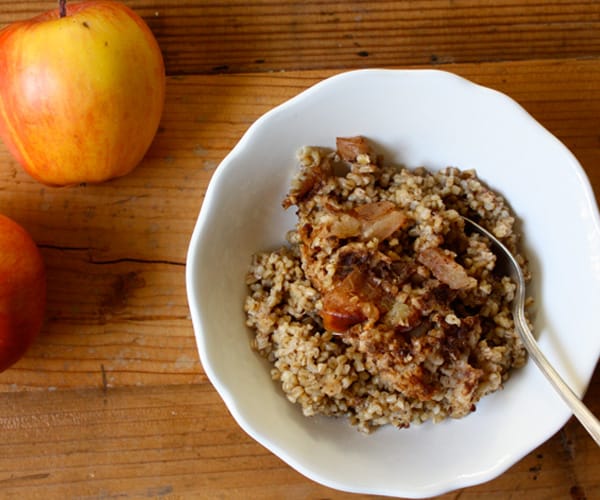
column 180, row 441
column 115, row 252
column 271, row 35
column 112, row 401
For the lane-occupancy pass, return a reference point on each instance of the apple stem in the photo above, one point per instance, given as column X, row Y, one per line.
column 62, row 8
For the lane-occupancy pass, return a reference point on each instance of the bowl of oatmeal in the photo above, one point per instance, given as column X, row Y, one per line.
column 348, row 319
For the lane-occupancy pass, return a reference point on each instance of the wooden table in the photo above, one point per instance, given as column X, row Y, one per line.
column 112, row 401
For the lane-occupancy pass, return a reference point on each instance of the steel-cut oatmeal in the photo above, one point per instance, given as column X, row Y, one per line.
column 382, row 307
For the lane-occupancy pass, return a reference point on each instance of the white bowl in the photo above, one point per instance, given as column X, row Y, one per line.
column 419, row 117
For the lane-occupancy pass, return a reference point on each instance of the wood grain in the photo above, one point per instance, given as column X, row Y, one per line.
column 180, row 442
column 115, row 252
column 270, row 35
column 112, row 400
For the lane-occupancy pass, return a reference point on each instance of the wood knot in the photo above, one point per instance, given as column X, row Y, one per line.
column 120, row 291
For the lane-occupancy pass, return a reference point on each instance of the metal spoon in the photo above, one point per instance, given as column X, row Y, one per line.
column 581, row 412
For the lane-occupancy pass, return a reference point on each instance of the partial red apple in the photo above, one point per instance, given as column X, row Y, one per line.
column 81, row 92
column 22, row 292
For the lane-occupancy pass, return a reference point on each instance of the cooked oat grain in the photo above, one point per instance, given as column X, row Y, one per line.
column 382, row 308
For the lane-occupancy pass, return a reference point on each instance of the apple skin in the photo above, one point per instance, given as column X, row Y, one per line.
column 22, row 292
column 81, row 96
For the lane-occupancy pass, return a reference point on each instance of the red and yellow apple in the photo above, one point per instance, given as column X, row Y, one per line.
column 81, row 92
column 22, row 291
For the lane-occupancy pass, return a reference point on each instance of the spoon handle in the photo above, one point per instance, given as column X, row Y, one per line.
column 580, row 410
